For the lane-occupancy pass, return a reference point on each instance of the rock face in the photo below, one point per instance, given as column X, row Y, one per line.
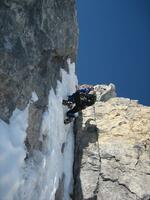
column 36, row 38
column 112, row 151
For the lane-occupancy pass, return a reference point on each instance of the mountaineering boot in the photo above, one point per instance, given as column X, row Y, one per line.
column 68, row 120
column 67, row 103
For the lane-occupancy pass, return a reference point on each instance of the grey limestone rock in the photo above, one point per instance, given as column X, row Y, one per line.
column 36, row 38
column 112, row 151
column 105, row 92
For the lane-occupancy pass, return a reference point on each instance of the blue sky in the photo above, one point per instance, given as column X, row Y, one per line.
column 114, row 45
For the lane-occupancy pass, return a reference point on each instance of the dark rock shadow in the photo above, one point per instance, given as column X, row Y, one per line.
column 83, row 137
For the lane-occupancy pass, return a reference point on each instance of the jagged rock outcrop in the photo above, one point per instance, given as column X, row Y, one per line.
column 112, row 151
column 36, row 38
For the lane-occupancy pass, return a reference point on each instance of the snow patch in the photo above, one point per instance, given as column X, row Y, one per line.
column 12, row 152
column 34, row 97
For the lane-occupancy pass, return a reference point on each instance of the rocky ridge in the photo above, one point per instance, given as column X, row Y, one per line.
column 112, row 151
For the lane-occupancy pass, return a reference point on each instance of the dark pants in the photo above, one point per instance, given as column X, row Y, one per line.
column 75, row 98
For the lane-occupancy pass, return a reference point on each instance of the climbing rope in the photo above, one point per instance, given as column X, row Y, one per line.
column 97, row 189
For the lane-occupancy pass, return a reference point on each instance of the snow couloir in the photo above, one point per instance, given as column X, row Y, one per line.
column 48, row 173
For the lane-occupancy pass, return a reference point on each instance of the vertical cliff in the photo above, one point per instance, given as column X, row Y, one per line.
column 112, row 150
column 38, row 43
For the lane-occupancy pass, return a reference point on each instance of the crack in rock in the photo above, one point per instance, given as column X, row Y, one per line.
column 121, row 184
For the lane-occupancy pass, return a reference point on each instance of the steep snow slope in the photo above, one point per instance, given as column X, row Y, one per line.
column 46, row 175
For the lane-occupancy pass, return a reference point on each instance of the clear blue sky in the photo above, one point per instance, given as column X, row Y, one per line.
column 114, row 45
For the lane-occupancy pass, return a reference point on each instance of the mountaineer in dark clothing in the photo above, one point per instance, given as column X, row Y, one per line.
column 82, row 98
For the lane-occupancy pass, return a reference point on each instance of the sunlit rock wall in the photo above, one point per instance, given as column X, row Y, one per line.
column 112, row 151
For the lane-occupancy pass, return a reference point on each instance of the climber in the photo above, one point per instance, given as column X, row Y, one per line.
column 84, row 96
